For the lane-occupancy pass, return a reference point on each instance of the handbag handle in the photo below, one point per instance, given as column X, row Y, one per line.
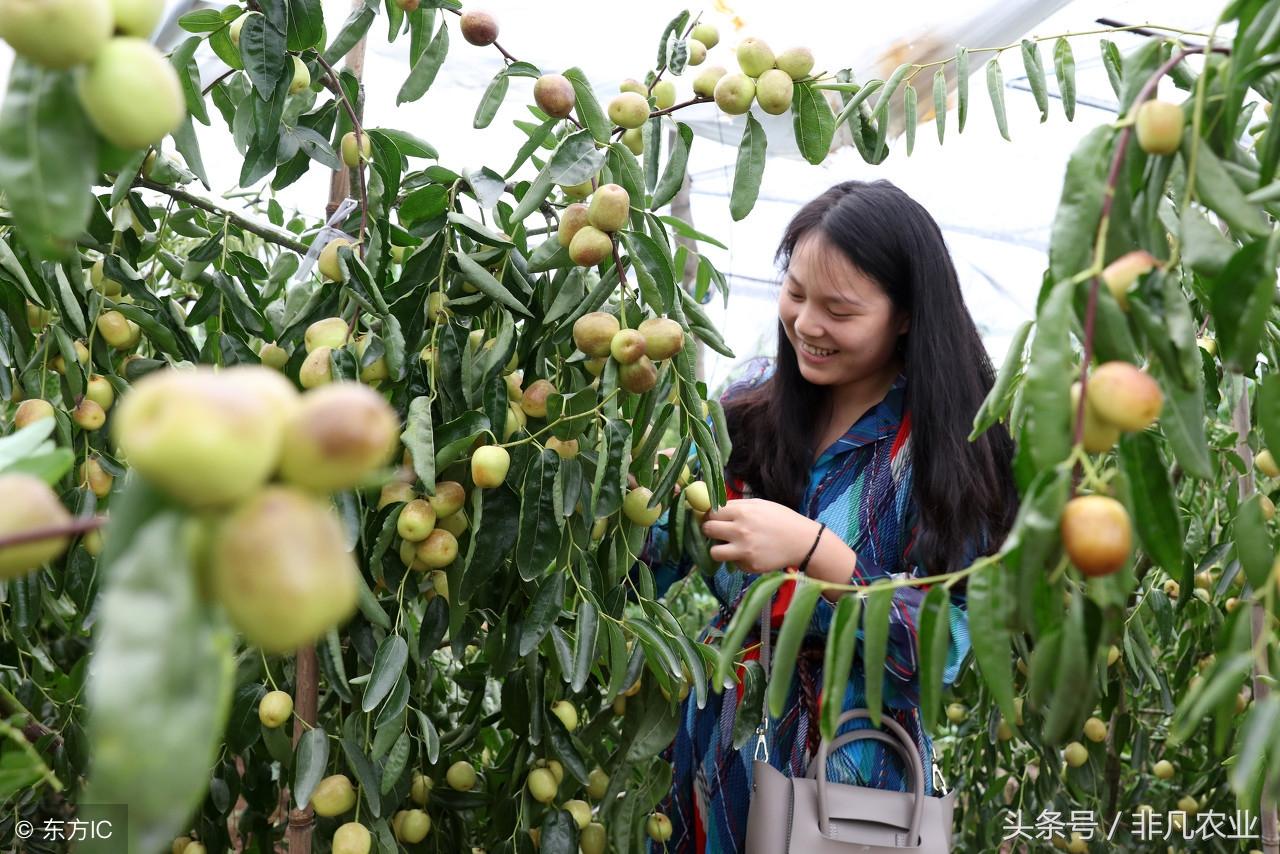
column 900, row 739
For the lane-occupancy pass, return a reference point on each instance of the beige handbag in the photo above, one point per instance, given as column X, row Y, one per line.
column 810, row 815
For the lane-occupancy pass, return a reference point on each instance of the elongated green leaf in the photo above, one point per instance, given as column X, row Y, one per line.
column 1256, row 746
column 962, row 87
column 995, row 88
column 935, row 641
column 1048, row 384
column 940, row 102
column 990, row 607
column 794, row 624
column 1253, row 542
column 584, row 651
column 875, row 643
column 47, row 157
column 262, row 47
column 587, row 107
column 1221, row 194
column 677, row 163
column 749, row 170
column 909, row 116
column 424, row 71
column 543, row 611
column 1241, row 297
column 998, row 401
column 842, row 642
column 365, row 775
column 353, row 29
column 758, row 595
column 160, row 690
column 576, row 159
column 1064, row 68
column 1155, row 506
column 1035, row 76
column 491, row 100
column 1112, row 62
column 1221, row 682
column 812, row 122
column 388, row 664
column 1268, row 411
column 484, row 280
column 308, row 767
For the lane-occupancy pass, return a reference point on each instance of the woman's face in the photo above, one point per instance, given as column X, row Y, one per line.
column 829, row 305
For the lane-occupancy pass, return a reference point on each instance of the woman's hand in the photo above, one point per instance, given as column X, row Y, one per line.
column 758, row 535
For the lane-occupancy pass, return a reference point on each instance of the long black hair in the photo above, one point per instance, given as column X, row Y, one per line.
column 962, row 489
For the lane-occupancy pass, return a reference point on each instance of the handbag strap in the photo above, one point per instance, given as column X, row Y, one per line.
column 906, row 749
column 762, row 728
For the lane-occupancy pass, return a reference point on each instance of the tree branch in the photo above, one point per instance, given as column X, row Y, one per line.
column 75, row 526
column 266, row 232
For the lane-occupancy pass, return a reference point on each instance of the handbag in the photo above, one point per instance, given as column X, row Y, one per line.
column 811, row 815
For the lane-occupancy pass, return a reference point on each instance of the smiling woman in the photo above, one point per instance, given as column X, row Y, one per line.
column 856, row 430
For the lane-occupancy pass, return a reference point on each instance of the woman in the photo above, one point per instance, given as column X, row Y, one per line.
column 861, row 423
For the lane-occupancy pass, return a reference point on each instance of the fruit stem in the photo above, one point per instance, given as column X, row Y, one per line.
column 359, row 132
column 75, row 526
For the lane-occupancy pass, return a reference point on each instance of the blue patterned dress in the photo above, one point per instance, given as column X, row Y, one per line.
column 861, row 488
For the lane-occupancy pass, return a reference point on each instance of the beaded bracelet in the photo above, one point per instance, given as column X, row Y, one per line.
column 804, row 564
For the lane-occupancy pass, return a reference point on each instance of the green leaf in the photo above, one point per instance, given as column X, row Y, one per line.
column 1216, row 189
column 388, row 664
column 935, row 641
column 995, row 88
column 424, row 71
column 1048, row 383
column 909, row 116
column 842, row 642
column 749, row 170
column 962, row 87
column 584, row 650
column 419, row 439
column 543, row 611
column 575, row 159
column 1204, row 248
column 758, row 595
column 990, row 610
column 1241, row 299
column 365, row 775
column 1155, row 506
column 48, row 154
column 587, row 107
column 794, row 625
column 491, row 100
column 308, row 767
column 1112, row 62
column 306, row 24
column 998, row 401
column 1253, row 542
column 356, row 25
column 875, row 633
column 1075, row 225
column 812, row 121
column 1064, row 68
column 1268, row 413
column 484, row 280
column 160, row 691
column 940, row 102
column 677, row 162
column 1035, row 76
column 262, row 47
column 1221, row 683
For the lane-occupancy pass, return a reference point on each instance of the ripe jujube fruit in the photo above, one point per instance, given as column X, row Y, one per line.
column 554, row 95
column 734, row 93
column 1159, row 127
column 282, row 571
column 439, row 549
column 327, row 332
column 88, row 415
column 1265, row 462
column 1096, row 533
column 697, row 53
column 448, row 499
column 333, row 795
column 633, row 85
column 754, row 56
column 103, row 285
column 797, row 62
column 461, row 776
column 206, row 438
column 136, row 17
column 118, row 331
column 1124, row 395
column 633, row 139
column 93, row 475
column 590, row 246
column 658, row 826
column 774, row 91
column 629, row 110
column 354, row 154
column 420, row 789
column 56, row 34
column 597, row 784
column 610, row 208
column 273, row 355
column 316, row 370
column 29, row 504
column 1076, row 754
column 627, row 346
column 664, row 94
column 31, row 411
column 707, row 34
column 337, row 436
column 329, row 265
column 704, row 85
column 274, row 709
column 1099, row 435
column 697, row 496
column 542, row 786
column 416, row 520
column 572, row 218
column 663, row 337
column 1121, row 273
column 581, row 812
column 301, row 76
column 237, row 25
column 534, row 399
column 568, row 715
column 566, row 449
column 479, row 28
column 413, row 826
column 132, row 93
column 352, row 837
column 593, row 333
column 489, row 466
column 639, row 376
column 636, row 507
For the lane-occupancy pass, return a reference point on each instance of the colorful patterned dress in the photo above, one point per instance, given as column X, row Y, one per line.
column 861, row 488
